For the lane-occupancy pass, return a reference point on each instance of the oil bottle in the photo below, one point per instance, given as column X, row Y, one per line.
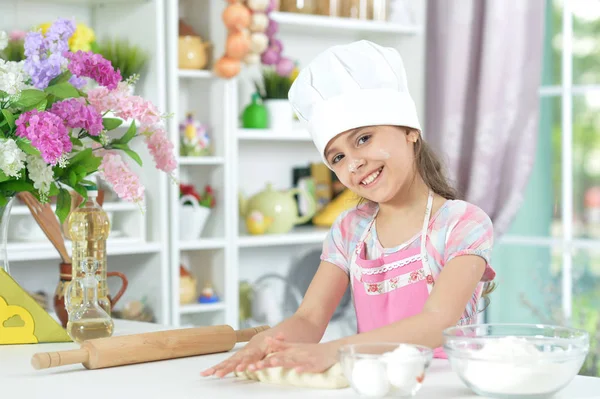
column 87, row 320
column 88, row 227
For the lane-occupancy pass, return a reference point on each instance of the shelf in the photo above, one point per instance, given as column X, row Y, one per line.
column 298, row 235
column 201, row 308
column 195, row 74
column 325, row 23
column 24, row 251
column 201, row 160
column 203, row 243
column 20, row 210
column 92, row 2
column 271, row 135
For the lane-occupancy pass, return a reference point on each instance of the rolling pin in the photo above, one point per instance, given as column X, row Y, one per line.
column 147, row 347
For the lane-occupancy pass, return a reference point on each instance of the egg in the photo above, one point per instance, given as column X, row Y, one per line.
column 405, row 366
column 369, row 378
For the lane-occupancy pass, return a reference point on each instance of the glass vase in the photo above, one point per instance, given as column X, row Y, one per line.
column 4, row 219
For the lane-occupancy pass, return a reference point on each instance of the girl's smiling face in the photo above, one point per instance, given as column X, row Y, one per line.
column 376, row 162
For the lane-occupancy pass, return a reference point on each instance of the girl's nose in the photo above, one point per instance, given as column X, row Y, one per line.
column 355, row 164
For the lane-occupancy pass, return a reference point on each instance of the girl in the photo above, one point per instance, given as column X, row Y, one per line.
column 417, row 258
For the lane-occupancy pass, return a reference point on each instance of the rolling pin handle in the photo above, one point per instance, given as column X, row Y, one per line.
column 247, row 333
column 44, row 360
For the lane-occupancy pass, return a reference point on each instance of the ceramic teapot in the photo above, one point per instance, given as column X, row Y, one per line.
column 279, row 208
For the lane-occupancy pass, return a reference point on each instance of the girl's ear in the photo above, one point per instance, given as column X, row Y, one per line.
column 412, row 135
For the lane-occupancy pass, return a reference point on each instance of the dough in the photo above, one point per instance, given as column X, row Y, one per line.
column 332, row 378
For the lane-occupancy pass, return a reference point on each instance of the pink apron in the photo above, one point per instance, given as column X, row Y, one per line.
column 392, row 287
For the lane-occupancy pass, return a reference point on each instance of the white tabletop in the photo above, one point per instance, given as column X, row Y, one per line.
column 180, row 378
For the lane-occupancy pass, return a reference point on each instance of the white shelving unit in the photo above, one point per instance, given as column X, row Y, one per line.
column 141, row 251
column 246, row 159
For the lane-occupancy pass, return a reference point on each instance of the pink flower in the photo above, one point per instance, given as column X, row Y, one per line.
column 123, row 181
column 76, row 114
column 124, row 106
column 47, row 133
column 161, row 149
column 17, row 35
column 284, row 67
column 94, row 66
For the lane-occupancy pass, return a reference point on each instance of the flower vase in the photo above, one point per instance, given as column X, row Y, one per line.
column 280, row 115
column 4, row 219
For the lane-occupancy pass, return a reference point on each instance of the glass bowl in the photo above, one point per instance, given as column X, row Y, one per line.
column 385, row 369
column 516, row 360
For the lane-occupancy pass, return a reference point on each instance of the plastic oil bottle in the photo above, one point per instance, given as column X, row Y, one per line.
column 88, row 227
column 88, row 320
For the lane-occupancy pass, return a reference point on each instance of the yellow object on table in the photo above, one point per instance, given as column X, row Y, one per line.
column 22, row 319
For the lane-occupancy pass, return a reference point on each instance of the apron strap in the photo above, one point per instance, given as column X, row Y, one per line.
column 424, row 256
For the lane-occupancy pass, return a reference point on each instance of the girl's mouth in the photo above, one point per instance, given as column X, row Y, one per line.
column 372, row 178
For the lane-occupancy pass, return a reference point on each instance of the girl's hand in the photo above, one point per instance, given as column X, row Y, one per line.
column 310, row 358
column 250, row 353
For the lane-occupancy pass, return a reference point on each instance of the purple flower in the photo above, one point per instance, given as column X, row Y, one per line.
column 94, row 66
column 47, row 133
column 276, row 45
column 272, row 28
column 43, row 55
column 76, row 114
column 270, row 57
column 284, row 67
column 58, row 35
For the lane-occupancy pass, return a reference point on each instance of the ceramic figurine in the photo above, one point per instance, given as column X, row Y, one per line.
column 208, row 295
column 195, row 141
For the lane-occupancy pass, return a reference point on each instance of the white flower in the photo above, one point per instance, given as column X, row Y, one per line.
column 11, row 158
column 12, row 77
column 3, row 40
column 40, row 173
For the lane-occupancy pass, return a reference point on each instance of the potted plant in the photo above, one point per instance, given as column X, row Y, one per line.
column 277, row 75
column 194, row 210
column 129, row 58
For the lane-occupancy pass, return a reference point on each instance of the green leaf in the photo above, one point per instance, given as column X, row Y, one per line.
column 129, row 134
column 16, row 185
column 3, row 177
column 41, row 106
column 10, row 119
column 26, row 147
column 3, row 200
column 63, row 90
column 88, row 182
column 76, row 142
column 29, row 98
column 63, row 77
column 72, row 178
column 81, row 155
column 81, row 191
column 3, row 94
column 54, row 190
column 111, row 123
column 128, row 151
column 63, row 205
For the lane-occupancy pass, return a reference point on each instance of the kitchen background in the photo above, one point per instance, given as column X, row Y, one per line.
column 202, row 254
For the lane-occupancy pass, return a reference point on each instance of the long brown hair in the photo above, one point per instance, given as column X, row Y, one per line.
column 431, row 170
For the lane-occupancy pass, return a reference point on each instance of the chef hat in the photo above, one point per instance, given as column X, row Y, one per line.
column 349, row 86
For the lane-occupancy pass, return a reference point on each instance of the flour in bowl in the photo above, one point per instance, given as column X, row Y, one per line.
column 514, row 366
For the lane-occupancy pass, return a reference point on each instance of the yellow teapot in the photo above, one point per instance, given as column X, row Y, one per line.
column 276, row 209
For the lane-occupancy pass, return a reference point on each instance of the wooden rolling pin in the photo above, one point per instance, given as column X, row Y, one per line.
column 147, row 347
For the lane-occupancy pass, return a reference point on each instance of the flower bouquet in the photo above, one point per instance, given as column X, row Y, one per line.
column 55, row 129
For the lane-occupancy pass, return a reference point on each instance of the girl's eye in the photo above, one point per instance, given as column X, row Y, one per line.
column 364, row 139
column 337, row 158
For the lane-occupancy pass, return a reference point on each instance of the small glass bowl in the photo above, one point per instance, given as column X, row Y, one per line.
column 508, row 361
column 385, row 369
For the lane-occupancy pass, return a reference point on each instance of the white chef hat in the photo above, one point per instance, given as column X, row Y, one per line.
column 349, row 86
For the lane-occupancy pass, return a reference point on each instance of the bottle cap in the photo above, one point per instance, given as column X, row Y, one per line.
column 92, row 189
